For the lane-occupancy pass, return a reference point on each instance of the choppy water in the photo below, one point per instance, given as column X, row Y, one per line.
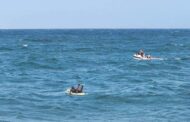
column 37, row 66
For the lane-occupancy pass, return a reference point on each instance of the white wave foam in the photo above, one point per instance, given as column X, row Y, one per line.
column 25, row 45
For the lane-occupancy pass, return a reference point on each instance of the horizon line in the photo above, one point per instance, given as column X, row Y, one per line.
column 91, row 28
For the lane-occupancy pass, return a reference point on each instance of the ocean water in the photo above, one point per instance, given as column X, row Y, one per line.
column 37, row 66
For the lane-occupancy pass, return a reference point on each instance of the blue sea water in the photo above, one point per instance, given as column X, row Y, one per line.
column 37, row 66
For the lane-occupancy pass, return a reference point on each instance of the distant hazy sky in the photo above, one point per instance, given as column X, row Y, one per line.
column 94, row 13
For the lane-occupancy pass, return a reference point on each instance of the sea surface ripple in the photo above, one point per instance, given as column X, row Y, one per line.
column 37, row 66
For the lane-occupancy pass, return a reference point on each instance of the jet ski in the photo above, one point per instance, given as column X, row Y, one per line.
column 139, row 57
column 75, row 94
column 148, row 57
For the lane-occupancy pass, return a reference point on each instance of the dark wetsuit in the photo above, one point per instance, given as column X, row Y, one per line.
column 79, row 89
column 73, row 90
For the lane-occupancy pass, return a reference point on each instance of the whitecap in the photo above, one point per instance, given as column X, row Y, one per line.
column 177, row 58
column 25, row 45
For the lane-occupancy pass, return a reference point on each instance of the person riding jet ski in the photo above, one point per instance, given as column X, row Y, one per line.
column 79, row 89
column 141, row 53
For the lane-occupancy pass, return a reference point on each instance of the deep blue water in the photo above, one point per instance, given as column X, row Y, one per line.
column 37, row 66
